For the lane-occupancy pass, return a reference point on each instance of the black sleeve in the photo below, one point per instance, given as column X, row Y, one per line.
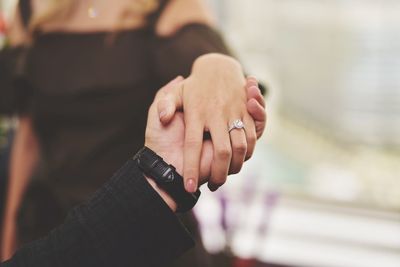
column 14, row 93
column 125, row 223
column 25, row 9
column 175, row 55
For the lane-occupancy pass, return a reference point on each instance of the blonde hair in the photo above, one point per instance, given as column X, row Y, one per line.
column 61, row 9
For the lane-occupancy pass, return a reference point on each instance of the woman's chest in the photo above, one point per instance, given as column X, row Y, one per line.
column 69, row 63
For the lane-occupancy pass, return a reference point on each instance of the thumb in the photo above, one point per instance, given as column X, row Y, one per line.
column 170, row 100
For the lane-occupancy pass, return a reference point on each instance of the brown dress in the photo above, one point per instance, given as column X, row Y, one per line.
column 88, row 99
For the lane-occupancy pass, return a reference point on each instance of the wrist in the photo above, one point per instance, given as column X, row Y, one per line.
column 216, row 61
column 167, row 155
column 165, row 180
column 220, row 71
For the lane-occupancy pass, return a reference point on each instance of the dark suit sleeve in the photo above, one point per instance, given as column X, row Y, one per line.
column 125, row 223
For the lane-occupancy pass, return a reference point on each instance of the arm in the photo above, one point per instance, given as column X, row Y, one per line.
column 129, row 221
column 185, row 31
column 24, row 153
column 24, row 157
column 179, row 13
column 125, row 223
column 11, row 98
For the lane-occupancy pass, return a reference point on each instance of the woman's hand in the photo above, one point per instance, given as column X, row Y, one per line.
column 212, row 98
column 167, row 140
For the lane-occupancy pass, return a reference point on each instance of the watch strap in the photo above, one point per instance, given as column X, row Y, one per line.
column 167, row 178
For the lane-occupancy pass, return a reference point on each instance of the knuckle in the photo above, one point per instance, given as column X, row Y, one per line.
column 192, row 142
column 159, row 94
column 224, row 152
column 240, row 148
column 162, row 104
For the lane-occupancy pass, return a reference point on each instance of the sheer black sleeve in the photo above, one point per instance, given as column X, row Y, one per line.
column 176, row 54
column 125, row 223
column 14, row 94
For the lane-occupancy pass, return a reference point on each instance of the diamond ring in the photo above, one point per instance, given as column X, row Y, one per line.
column 236, row 124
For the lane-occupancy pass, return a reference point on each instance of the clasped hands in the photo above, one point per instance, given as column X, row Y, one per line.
column 175, row 131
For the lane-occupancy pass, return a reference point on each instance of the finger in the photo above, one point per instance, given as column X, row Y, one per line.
column 222, row 155
column 252, row 78
column 206, row 161
column 169, row 100
column 251, row 81
column 168, row 105
column 254, row 92
column 256, row 105
column 192, row 152
column 169, row 86
column 239, row 150
column 257, row 112
column 251, row 135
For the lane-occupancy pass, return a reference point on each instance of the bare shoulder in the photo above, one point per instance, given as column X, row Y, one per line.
column 178, row 13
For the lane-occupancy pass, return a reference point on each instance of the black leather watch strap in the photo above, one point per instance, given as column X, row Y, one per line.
column 167, row 178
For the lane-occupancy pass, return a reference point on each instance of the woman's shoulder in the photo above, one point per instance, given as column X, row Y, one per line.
column 178, row 13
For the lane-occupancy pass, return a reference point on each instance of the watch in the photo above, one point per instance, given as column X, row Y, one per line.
column 167, row 178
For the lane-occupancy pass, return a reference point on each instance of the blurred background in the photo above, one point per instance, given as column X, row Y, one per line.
column 324, row 186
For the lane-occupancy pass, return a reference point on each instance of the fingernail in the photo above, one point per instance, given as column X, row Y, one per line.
column 162, row 114
column 213, row 187
column 254, row 88
column 191, row 186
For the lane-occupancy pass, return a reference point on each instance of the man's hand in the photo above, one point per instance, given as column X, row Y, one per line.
column 168, row 140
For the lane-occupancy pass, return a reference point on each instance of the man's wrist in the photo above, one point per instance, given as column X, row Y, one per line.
column 170, row 158
column 166, row 181
column 164, row 195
